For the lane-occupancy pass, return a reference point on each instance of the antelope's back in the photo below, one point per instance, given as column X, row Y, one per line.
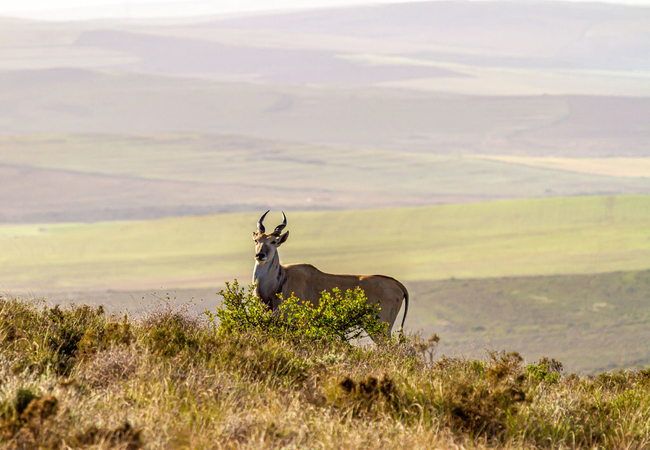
column 307, row 282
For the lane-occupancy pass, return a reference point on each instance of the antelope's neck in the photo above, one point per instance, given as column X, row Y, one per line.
column 270, row 278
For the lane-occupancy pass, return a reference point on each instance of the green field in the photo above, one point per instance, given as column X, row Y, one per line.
column 494, row 239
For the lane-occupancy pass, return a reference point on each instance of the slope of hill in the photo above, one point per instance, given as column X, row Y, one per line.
column 522, row 34
column 98, row 102
column 388, row 106
column 96, row 177
column 347, row 76
column 202, row 57
column 592, row 323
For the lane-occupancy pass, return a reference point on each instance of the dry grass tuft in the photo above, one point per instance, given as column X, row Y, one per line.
column 107, row 368
column 123, row 436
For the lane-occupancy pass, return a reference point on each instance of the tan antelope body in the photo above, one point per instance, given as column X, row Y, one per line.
column 307, row 283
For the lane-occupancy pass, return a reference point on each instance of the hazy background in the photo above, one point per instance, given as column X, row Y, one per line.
column 93, row 9
column 495, row 156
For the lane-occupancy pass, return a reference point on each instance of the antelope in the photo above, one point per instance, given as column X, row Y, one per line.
column 307, row 283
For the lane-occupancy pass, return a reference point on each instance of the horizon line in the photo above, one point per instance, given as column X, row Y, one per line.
column 201, row 8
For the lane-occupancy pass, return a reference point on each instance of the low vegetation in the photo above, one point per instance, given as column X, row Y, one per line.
column 241, row 377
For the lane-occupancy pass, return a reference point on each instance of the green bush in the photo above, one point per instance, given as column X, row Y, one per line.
column 546, row 370
column 169, row 332
column 241, row 311
column 337, row 317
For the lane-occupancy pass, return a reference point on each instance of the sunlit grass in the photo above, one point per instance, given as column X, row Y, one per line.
column 614, row 167
column 528, row 237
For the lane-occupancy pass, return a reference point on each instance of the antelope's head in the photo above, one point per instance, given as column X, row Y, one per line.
column 266, row 245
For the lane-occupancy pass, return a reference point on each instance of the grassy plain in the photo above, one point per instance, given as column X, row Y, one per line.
column 134, row 265
column 341, row 109
column 614, row 167
column 494, row 239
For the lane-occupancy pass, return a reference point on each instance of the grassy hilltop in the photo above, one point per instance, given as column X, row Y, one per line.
column 81, row 378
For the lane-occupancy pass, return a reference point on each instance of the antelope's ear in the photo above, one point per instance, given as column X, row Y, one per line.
column 254, row 235
column 283, row 238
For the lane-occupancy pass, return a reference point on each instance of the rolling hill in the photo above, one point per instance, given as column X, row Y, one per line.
column 99, row 177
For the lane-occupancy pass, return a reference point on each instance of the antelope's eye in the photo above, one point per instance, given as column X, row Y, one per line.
column 273, row 242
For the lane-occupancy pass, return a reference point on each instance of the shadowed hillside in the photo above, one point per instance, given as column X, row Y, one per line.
column 505, row 34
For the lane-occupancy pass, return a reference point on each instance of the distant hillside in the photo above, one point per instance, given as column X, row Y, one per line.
column 99, row 177
column 533, row 78
column 84, row 101
column 288, row 66
column 511, row 34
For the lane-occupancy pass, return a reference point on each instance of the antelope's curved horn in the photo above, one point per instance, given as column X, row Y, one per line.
column 260, row 224
column 281, row 227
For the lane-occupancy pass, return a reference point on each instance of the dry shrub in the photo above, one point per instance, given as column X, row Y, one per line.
column 426, row 347
column 370, row 396
column 66, row 329
column 504, row 366
column 480, row 399
column 99, row 338
column 109, row 366
column 262, row 358
column 60, row 335
column 481, row 409
column 169, row 332
column 28, row 421
column 123, row 436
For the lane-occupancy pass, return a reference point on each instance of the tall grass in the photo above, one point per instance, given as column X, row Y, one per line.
column 79, row 377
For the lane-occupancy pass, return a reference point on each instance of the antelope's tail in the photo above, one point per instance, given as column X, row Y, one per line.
column 406, row 302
